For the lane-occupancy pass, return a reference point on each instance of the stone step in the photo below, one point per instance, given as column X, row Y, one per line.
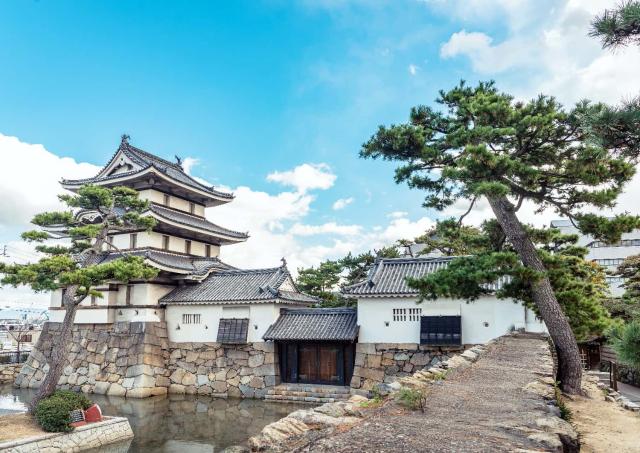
column 302, row 399
column 274, row 392
column 333, row 389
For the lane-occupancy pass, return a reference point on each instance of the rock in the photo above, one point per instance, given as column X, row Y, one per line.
column 128, row 383
column 188, row 379
column 401, row 356
column 219, row 387
column 177, row 375
column 358, row 399
column 139, row 392
column 256, row 382
column 202, row 379
column 539, row 388
column 470, row 355
column 144, row 381
column 177, row 388
column 101, row 388
column 550, row 442
column 563, row 429
column 331, row 409
column 246, row 391
column 256, row 360
column 116, row 389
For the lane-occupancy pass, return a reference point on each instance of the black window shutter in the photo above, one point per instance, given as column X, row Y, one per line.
column 441, row 330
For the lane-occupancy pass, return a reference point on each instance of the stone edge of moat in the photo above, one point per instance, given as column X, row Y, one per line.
column 110, row 430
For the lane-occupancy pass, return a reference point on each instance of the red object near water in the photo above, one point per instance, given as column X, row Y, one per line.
column 93, row 414
column 76, row 424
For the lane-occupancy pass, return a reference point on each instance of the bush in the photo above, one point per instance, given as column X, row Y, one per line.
column 413, row 399
column 52, row 413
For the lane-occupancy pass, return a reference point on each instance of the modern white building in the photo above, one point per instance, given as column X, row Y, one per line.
column 609, row 256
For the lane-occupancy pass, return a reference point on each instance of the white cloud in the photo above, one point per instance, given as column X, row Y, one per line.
column 397, row 214
column 342, row 203
column 188, row 163
column 31, row 180
column 413, row 69
column 305, row 177
column 548, row 51
column 299, row 229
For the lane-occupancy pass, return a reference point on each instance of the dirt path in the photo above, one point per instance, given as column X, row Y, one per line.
column 481, row 409
column 604, row 426
column 17, row 426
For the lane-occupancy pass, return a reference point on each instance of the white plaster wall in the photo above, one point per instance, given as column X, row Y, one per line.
column 174, row 202
column 500, row 315
column 260, row 315
column 85, row 316
column 155, row 240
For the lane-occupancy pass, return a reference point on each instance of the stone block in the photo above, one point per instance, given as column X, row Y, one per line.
column 137, row 370
column 202, row 379
column 264, row 346
column 256, row 360
column 116, row 389
column 269, row 381
column 128, row 383
column 175, row 354
column 221, row 362
column 256, row 382
column 177, row 388
column 189, row 379
column 144, row 381
column 401, row 356
column 190, row 367
column 264, row 370
column 162, row 381
column 153, row 360
column 177, row 375
column 366, row 348
column 237, row 354
column 246, row 391
column 192, row 356
column 219, row 387
column 373, row 361
column 139, row 392
column 101, row 388
column 420, row 359
column 82, row 371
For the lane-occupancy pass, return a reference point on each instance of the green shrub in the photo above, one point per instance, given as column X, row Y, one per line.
column 77, row 400
column 413, row 399
column 565, row 412
column 52, row 413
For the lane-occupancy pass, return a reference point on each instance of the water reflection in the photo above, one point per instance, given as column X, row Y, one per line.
column 177, row 423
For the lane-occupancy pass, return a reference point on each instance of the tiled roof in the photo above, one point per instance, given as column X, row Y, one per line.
column 388, row 276
column 194, row 266
column 146, row 160
column 255, row 285
column 314, row 324
column 195, row 221
column 233, row 330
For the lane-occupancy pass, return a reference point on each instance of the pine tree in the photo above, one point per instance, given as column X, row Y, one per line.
column 482, row 143
column 618, row 27
column 77, row 268
column 579, row 284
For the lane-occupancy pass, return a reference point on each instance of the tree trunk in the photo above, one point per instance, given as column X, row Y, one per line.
column 58, row 360
column 569, row 364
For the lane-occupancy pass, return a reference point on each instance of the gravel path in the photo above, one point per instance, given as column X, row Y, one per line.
column 480, row 409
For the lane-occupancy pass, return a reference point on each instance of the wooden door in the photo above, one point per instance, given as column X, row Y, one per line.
column 329, row 358
column 308, row 363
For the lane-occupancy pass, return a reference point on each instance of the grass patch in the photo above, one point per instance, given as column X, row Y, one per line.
column 565, row 412
column 412, row 398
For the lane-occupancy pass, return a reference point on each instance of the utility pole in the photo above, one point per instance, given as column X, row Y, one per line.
column 4, row 251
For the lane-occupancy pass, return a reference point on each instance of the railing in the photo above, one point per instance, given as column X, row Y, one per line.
column 7, row 357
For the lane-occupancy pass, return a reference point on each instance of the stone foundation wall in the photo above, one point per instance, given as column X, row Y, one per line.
column 9, row 372
column 377, row 363
column 136, row 360
column 245, row 371
column 120, row 359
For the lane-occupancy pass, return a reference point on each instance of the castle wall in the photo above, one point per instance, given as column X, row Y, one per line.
column 136, row 360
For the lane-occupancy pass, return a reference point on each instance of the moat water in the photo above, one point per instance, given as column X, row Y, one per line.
column 176, row 423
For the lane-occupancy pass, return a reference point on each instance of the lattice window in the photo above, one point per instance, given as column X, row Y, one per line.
column 414, row 314
column 191, row 318
column 399, row 314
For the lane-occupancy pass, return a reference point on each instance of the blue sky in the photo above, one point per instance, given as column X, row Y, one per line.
column 249, row 88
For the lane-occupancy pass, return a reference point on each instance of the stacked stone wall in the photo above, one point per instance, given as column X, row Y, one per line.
column 121, row 359
column 9, row 372
column 377, row 363
column 245, row 371
column 136, row 360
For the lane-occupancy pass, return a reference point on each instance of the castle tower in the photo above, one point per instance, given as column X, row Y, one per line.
column 183, row 245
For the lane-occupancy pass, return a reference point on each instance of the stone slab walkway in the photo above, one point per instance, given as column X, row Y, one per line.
column 483, row 408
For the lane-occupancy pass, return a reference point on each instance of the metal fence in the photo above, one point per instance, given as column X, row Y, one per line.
column 7, row 357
